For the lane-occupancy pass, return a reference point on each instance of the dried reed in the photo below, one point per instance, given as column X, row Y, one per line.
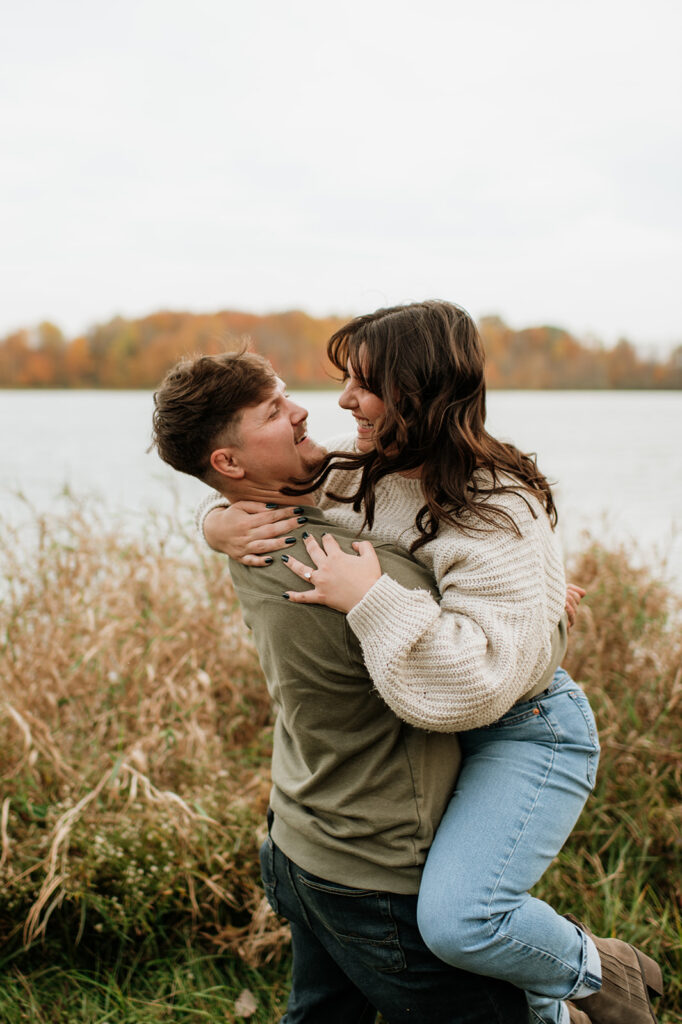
column 135, row 741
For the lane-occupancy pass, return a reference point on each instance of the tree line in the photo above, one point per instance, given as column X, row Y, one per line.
column 135, row 353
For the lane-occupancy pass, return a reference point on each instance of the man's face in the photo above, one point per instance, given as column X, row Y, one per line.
column 274, row 448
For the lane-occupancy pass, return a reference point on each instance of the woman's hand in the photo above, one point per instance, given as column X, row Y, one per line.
column 248, row 530
column 340, row 581
column 574, row 595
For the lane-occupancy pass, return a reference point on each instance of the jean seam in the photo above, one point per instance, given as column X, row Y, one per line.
column 519, row 836
column 590, row 724
column 552, row 958
column 383, row 903
column 548, row 722
column 390, row 945
column 582, row 971
column 335, row 890
column 544, row 953
column 536, row 1017
column 525, row 710
column 300, row 902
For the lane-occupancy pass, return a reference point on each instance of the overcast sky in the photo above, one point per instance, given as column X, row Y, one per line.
column 522, row 158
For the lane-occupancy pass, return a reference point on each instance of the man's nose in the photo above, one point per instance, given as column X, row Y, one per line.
column 297, row 412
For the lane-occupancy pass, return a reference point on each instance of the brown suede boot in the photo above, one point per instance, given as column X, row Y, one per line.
column 629, row 977
column 577, row 1016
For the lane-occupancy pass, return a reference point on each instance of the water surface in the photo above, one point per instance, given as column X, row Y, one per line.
column 615, row 456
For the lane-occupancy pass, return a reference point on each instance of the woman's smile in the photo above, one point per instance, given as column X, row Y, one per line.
column 366, row 408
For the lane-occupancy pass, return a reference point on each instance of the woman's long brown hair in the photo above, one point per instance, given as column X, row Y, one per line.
column 426, row 362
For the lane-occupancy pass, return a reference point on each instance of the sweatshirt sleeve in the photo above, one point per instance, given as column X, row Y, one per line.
column 462, row 664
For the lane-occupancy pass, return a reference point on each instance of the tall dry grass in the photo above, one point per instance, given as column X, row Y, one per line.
column 622, row 867
column 135, row 742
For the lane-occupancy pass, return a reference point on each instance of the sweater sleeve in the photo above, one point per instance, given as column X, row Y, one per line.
column 212, row 500
column 462, row 664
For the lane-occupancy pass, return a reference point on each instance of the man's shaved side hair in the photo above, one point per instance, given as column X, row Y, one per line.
column 199, row 407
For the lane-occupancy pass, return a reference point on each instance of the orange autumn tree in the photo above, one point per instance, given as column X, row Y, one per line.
column 135, row 353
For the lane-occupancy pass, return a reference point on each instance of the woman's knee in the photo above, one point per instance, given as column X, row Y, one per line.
column 451, row 931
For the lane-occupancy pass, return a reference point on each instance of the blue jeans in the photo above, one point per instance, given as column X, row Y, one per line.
column 356, row 951
column 523, row 784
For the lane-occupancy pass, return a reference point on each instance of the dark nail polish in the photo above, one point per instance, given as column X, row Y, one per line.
column 285, row 596
column 268, row 561
column 302, row 520
column 285, row 558
column 298, row 510
column 325, row 534
column 271, row 504
column 305, row 535
column 290, row 540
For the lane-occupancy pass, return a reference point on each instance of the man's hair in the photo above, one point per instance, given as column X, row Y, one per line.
column 199, row 406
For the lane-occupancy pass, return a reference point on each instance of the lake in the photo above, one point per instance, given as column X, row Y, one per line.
column 616, row 457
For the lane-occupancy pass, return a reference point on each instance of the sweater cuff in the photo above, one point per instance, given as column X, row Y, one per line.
column 392, row 614
column 205, row 506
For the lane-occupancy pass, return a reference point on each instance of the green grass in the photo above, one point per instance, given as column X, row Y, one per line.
column 183, row 986
column 135, row 738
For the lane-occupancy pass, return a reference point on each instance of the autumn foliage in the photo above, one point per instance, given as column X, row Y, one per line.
column 136, row 353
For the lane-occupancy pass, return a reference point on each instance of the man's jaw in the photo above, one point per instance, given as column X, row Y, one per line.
column 311, row 453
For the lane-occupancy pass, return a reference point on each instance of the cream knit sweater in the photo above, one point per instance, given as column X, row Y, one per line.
column 464, row 662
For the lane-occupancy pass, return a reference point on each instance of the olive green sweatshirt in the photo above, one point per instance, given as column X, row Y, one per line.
column 357, row 793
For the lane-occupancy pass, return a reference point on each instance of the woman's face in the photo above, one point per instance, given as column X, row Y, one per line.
column 366, row 408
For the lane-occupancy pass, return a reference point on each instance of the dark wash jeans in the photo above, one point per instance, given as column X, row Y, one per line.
column 356, row 951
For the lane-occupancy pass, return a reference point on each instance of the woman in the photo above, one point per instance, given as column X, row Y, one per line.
column 424, row 473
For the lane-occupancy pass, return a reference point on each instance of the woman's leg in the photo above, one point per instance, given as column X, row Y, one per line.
column 523, row 784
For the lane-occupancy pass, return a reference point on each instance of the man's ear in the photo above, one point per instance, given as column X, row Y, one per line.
column 223, row 460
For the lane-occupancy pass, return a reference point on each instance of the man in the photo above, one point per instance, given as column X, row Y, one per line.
column 356, row 793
